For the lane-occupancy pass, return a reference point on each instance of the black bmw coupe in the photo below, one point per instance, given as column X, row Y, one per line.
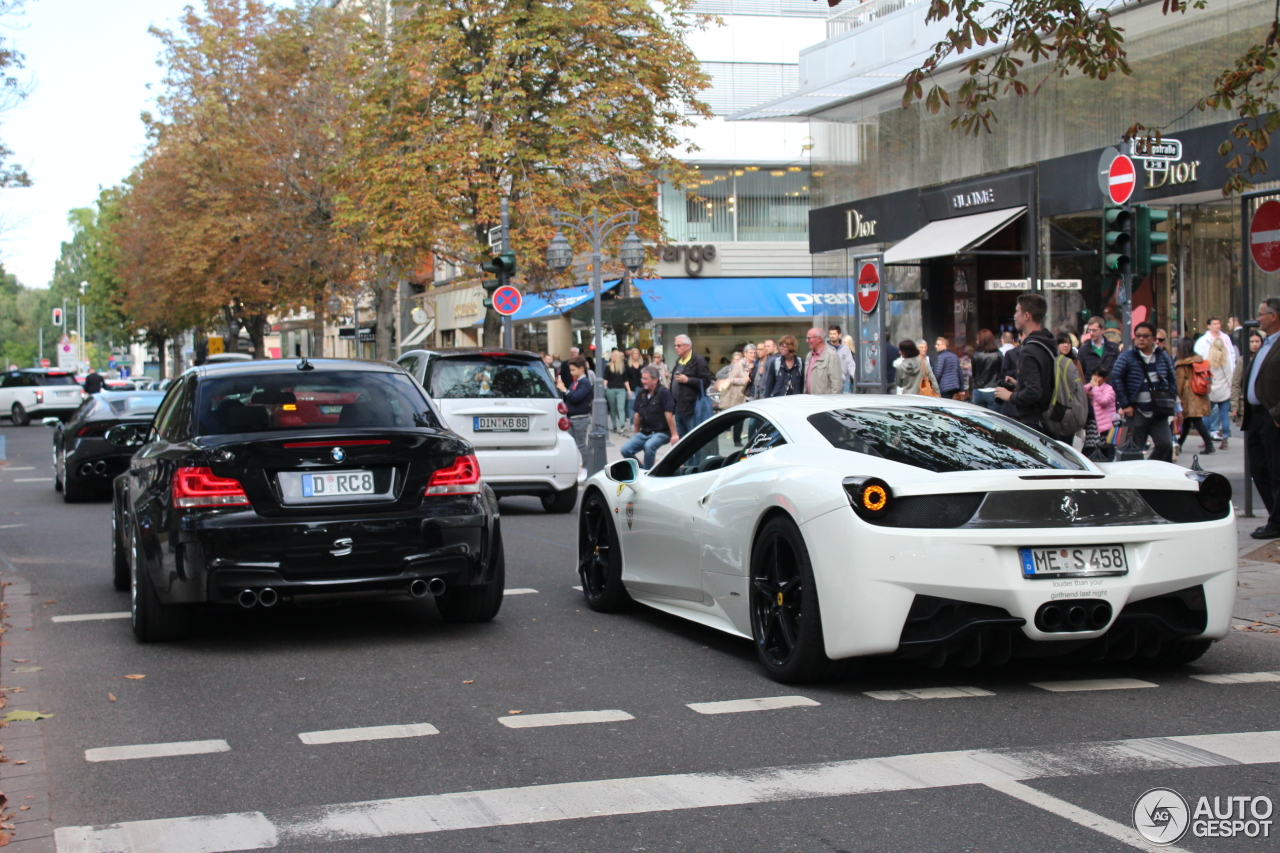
column 260, row 482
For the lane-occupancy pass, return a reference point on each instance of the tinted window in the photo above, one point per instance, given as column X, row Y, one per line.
column 942, row 440
column 14, row 380
column 261, row 402
column 59, row 379
column 489, row 378
column 726, row 442
column 165, row 415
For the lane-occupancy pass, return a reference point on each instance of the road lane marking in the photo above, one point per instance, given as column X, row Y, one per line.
column 737, row 706
column 156, row 750
column 306, row 828
column 1239, row 677
column 578, row 588
column 10, row 526
column 564, row 718
column 520, row 591
column 928, row 693
column 93, row 617
column 1092, row 684
column 1075, row 814
column 368, row 733
column 34, row 480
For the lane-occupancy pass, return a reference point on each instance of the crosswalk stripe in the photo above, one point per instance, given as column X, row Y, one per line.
column 348, row 821
column 92, row 617
column 368, row 733
column 928, row 693
column 1092, row 684
column 1239, row 677
column 737, row 706
column 156, row 750
column 565, row 718
column 520, row 591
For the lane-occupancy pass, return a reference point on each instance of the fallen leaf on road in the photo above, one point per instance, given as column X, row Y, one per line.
column 24, row 808
column 472, row 681
column 51, row 601
column 20, row 716
column 28, row 668
column 111, row 697
column 515, row 712
column 135, row 677
column 19, row 762
column 14, row 689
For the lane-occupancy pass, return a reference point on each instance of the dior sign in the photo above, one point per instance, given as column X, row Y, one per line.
column 856, row 226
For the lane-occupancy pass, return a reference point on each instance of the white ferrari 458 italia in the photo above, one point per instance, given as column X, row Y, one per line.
column 831, row 528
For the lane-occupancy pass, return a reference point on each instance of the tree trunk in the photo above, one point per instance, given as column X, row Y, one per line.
column 384, row 309
column 256, row 324
column 492, row 328
column 317, row 328
column 176, row 342
column 161, row 343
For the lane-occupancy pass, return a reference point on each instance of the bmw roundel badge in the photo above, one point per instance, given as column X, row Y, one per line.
column 338, row 454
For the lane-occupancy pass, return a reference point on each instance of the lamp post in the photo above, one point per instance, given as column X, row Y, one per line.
column 596, row 231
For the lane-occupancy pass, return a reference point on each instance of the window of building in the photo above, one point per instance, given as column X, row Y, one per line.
column 748, row 203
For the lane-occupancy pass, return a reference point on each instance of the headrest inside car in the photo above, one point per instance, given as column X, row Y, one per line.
column 273, row 398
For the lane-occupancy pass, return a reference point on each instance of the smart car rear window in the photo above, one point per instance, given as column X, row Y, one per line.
column 262, row 402
column 489, row 378
column 942, row 439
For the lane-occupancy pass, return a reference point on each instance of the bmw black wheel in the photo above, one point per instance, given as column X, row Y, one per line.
column 600, row 558
column 153, row 620
column 785, row 620
column 479, row 602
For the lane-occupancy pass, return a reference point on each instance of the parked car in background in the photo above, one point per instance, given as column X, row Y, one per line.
column 39, row 392
column 505, row 403
column 84, row 462
column 227, row 357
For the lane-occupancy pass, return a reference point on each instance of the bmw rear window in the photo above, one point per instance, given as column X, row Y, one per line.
column 490, row 378
column 318, row 399
column 943, row 439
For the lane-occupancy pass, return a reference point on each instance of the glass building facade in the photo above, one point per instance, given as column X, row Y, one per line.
column 738, row 203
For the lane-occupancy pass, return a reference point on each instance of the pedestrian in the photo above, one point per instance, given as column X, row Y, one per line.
column 690, row 380
column 1095, row 350
column 853, row 359
column 93, row 382
column 1008, row 340
column 615, row 390
column 947, row 367
column 1163, row 341
column 662, row 366
column 1220, row 351
column 822, row 371
column 565, row 376
column 848, row 369
column 1262, row 417
column 1146, row 391
column 914, row 373
column 1031, row 390
column 1102, row 398
column 577, row 400
column 1195, row 402
column 766, row 353
column 786, row 376
column 654, row 421
column 635, row 363
column 1237, row 376
column 986, row 370
column 735, row 392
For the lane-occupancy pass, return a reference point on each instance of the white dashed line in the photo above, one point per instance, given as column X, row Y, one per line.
column 156, row 750
column 92, row 617
column 32, row 468
column 1239, row 677
column 34, row 480
column 578, row 588
column 566, row 718
column 737, row 706
column 1092, row 684
column 368, row 733
column 10, row 526
column 521, row 591
column 928, row 693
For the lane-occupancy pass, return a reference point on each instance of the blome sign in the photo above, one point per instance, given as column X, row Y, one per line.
column 1163, row 816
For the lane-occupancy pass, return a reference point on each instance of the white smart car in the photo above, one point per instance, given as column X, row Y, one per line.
column 832, row 528
column 505, row 404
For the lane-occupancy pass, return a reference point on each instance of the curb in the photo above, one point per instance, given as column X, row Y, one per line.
column 26, row 784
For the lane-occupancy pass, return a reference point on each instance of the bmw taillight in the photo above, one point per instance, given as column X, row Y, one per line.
column 198, row 487
column 460, row 478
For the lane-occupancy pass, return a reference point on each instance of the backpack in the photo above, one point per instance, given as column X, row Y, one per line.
column 1200, row 378
column 1068, row 408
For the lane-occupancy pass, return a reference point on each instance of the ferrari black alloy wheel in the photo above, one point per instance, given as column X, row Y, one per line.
column 599, row 557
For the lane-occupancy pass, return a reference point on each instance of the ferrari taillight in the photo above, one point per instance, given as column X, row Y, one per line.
column 198, row 487
column 460, row 478
column 870, row 496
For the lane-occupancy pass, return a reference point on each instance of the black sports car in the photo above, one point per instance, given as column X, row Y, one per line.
column 84, row 462
column 269, row 480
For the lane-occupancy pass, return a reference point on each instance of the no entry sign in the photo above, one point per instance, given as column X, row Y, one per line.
column 868, row 287
column 506, row 300
column 1122, row 179
column 1264, row 236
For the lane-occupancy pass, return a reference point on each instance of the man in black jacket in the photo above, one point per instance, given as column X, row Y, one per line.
column 1095, row 350
column 690, row 378
column 1034, row 389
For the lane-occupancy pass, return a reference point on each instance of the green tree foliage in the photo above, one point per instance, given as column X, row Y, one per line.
column 11, row 91
column 23, row 311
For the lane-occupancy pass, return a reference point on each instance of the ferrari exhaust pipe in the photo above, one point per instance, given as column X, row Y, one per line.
column 248, row 599
column 1099, row 615
column 1049, row 618
column 418, row 589
column 268, row 597
column 100, row 468
column 436, row 587
column 1076, row 617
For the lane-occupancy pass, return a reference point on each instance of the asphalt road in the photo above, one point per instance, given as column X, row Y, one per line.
column 1028, row 768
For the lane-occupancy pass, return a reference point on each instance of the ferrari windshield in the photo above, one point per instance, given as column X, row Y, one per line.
column 943, row 439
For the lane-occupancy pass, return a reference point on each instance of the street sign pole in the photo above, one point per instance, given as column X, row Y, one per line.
column 508, row 333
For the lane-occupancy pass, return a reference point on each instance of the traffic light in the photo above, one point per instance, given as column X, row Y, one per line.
column 1117, row 227
column 490, row 285
column 1145, row 221
column 502, row 264
column 57, row 316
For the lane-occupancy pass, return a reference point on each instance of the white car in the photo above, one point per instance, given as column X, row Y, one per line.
column 39, row 392
column 505, row 404
column 850, row 526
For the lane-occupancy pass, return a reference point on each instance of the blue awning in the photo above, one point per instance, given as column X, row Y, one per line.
column 552, row 303
column 727, row 298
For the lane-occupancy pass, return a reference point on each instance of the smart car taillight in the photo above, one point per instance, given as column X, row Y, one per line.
column 562, row 408
column 565, row 424
column 460, row 478
column 198, row 487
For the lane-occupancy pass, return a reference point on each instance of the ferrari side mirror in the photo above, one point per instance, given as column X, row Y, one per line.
column 623, row 471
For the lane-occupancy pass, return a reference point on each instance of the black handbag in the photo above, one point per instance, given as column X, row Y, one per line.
column 1164, row 402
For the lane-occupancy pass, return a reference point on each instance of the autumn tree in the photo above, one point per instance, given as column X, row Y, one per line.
column 11, row 92
column 570, row 104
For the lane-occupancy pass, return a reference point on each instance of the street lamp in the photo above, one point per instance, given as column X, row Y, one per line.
column 559, row 255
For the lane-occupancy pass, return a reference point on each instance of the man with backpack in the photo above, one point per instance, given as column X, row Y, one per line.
column 1032, row 392
column 1146, row 390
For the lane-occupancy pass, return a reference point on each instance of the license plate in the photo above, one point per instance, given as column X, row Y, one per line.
column 491, row 424
column 330, row 410
column 1084, row 562
column 337, row 483
column 68, row 393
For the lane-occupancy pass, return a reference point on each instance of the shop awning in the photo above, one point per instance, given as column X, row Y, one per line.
column 727, row 298
column 552, row 303
column 419, row 334
column 953, row 236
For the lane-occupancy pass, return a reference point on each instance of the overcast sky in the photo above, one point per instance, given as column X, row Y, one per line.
column 88, row 63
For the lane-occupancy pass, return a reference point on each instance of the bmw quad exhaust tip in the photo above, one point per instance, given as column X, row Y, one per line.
column 268, row 597
column 248, row 599
column 418, row 588
column 436, row 587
